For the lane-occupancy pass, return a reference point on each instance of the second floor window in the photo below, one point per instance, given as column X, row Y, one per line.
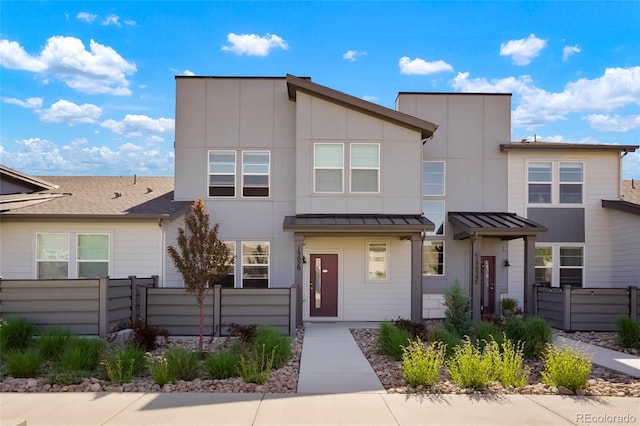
column 222, row 173
column 255, row 173
column 433, row 178
column 365, row 167
column 328, row 167
column 570, row 183
column 564, row 185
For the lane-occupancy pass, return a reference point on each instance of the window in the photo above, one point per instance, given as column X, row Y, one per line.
column 433, row 258
column 434, row 211
column 328, row 167
column 93, row 255
column 544, row 264
column 365, row 167
column 255, row 173
column 540, row 179
column 570, row 187
column 433, row 178
column 255, row 264
column 562, row 187
column 52, row 256
column 222, row 174
column 230, row 280
column 559, row 265
column 378, row 261
column 571, row 265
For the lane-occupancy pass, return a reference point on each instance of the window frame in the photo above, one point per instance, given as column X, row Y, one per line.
column 210, row 173
column 444, row 263
column 316, row 168
column 352, row 168
column 57, row 259
column 444, row 179
column 556, row 266
column 387, row 263
column 435, row 233
column 79, row 261
column 243, row 265
column 268, row 174
column 231, row 265
column 555, row 184
column 550, row 182
column 561, row 182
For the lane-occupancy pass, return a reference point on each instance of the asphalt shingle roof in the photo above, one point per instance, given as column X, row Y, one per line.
column 631, row 191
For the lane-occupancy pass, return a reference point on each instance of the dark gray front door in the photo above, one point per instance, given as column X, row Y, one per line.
column 488, row 289
column 323, row 291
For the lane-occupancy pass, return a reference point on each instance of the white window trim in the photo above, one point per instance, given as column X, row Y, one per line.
column 73, row 262
column 233, row 263
column 555, row 182
column 444, row 179
column 387, row 262
column 555, row 259
column 444, row 218
column 235, row 174
column 352, row 168
column 328, row 168
column 444, row 255
column 242, row 264
column 77, row 256
column 37, row 257
column 255, row 174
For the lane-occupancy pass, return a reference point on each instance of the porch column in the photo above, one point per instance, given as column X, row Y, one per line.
column 476, row 277
column 299, row 260
column 416, row 278
column 529, row 272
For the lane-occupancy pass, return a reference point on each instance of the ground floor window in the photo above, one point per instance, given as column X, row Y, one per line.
column 559, row 265
column 230, row 280
column 255, row 264
column 377, row 261
column 432, row 258
column 58, row 258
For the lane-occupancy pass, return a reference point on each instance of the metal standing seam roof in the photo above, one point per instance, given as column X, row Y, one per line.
column 357, row 223
column 503, row 225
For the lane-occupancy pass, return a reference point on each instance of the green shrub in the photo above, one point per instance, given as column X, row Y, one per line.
column 417, row 330
column 67, row 377
column 24, row 364
column 565, row 366
column 183, row 363
column 448, row 339
column 486, row 332
column 457, row 318
column 255, row 365
column 538, row 335
column 16, row 333
column 469, row 367
column 628, row 332
column 508, row 359
column 223, row 364
column 53, row 341
column 515, row 330
column 392, row 340
column 274, row 342
column 122, row 364
column 81, row 354
column 420, row 364
column 160, row 372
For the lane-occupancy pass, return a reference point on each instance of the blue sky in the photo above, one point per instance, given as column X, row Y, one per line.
column 87, row 88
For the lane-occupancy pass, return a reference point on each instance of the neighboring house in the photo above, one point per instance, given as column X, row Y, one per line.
column 82, row 227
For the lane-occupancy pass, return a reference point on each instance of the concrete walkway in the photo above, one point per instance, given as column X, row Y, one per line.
column 332, row 362
column 613, row 360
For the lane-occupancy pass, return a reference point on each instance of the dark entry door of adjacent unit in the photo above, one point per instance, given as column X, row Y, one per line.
column 323, row 292
column 488, row 282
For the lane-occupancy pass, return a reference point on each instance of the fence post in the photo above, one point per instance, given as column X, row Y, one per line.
column 156, row 280
column 134, row 296
column 535, row 299
column 566, row 293
column 293, row 302
column 103, row 306
column 217, row 313
column 633, row 302
column 143, row 303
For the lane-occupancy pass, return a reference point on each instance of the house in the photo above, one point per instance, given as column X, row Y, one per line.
column 86, row 226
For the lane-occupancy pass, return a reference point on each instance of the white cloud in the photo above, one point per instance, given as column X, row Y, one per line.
column 370, row 98
column 613, row 123
column 29, row 103
column 253, row 44
column 182, row 72
column 69, row 113
column 130, row 22
column 570, row 50
column 111, row 20
column 523, row 50
column 99, row 70
column 616, row 88
column 86, row 17
column 422, row 67
column 350, row 55
column 135, row 125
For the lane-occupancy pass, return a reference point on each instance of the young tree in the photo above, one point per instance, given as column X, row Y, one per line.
column 201, row 258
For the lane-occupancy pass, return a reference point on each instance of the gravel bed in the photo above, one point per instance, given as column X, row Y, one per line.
column 602, row 382
column 282, row 380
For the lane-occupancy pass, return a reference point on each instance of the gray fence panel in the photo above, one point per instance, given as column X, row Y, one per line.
column 550, row 305
column 177, row 311
column 73, row 304
column 118, row 301
column 255, row 306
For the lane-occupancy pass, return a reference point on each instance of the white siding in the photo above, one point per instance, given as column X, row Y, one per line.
column 359, row 300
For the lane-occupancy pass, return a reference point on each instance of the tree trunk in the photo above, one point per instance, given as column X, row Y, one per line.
column 200, row 305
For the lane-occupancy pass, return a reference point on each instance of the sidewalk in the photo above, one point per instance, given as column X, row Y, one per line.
column 613, row 360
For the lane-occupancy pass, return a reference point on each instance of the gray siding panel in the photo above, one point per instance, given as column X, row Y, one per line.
column 565, row 224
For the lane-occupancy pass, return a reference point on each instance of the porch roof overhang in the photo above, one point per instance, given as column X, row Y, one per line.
column 622, row 205
column 507, row 226
column 357, row 223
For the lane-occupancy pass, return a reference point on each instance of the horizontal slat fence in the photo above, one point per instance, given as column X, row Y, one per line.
column 586, row 309
column 176, row 310
column 119, row 301
column 255, row 306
